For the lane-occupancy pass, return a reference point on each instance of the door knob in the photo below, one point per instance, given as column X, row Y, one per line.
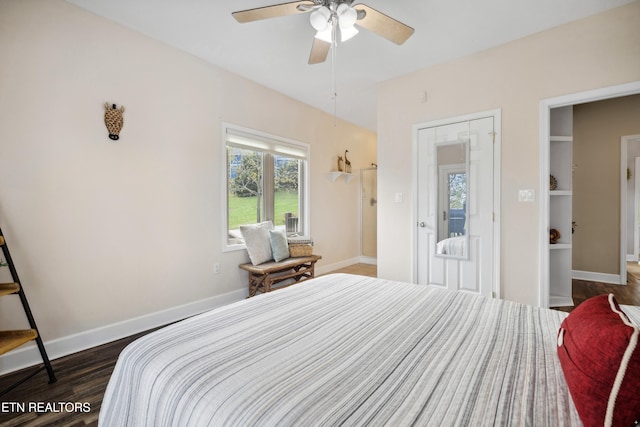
column 422, row 224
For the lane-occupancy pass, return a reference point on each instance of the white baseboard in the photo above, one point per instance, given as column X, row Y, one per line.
column 632, row 258
column 324, row 269
column 28, row 355
column 596, row 277
column 368, row 260
column 560, row 301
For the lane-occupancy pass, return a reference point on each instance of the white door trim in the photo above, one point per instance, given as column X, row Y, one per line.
column 624, row 158
column 636, row 201
column 545, row 106
column 366, row 259
column 497, row 168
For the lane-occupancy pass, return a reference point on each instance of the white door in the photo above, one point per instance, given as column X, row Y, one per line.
column 472, row 269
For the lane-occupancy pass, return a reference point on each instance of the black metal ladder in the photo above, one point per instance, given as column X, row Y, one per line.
column 10, row 340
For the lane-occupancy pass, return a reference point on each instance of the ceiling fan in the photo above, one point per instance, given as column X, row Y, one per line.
column 332, row 20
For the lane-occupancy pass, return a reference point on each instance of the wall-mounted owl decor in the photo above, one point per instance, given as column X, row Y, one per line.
column 113, row 119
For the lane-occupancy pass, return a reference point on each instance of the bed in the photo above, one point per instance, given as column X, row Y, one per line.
column 347, row 350
column 454, row 246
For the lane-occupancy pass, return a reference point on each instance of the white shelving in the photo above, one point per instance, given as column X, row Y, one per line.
column 560, row 205
column 335, row 175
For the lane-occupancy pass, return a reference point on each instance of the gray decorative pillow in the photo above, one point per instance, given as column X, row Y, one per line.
column 256, row 238
column 279, row 245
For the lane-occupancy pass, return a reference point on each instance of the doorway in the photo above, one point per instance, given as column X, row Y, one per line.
column 545, row 224
column 630, row 196
column 369, row 215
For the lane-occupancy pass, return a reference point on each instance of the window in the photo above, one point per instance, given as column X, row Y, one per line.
column 265, row 179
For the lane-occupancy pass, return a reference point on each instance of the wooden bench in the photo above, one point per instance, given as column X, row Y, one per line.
column 262, row 277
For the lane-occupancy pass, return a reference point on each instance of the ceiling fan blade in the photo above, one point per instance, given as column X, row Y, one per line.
column 382, row 24
column 319, row 51
column 273, row 11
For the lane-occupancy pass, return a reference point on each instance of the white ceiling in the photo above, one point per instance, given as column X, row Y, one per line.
column 274, row 52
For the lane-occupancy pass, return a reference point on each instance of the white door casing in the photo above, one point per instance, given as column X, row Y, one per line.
column 477, row 273
column 628, row 225
column 636, row 212
column 545, row 107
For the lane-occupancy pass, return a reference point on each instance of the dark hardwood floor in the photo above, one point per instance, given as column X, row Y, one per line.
column 83, row 377
column 81, row 380
column 627, row 295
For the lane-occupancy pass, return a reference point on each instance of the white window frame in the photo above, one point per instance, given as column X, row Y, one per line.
column 251, row 139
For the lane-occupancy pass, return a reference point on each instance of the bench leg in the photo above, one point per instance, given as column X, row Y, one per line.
column 259, row 283
column 256, row 281
column 267, row 282
column 313, row 269
column 308, row 271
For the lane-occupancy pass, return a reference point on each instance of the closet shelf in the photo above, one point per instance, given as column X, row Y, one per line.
column 557, row 138
column 561, row 193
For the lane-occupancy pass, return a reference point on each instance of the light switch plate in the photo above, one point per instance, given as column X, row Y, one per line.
column 527, row 195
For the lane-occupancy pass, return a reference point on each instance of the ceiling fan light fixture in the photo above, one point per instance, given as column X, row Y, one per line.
column 326, row 35
column 347, row 16
column 347, row 33
column 320, row 18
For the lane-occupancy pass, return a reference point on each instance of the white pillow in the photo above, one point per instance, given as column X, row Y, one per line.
column 256, row 238
column 279, row 245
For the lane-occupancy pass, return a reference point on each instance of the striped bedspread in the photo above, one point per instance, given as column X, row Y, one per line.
column 632, row 312
column 347, row 350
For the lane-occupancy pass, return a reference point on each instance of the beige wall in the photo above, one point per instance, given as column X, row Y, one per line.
column 105, row 231
column 597, row 129
column 599, row 51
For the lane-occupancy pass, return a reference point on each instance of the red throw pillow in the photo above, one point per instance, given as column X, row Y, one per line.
column 600, row 356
